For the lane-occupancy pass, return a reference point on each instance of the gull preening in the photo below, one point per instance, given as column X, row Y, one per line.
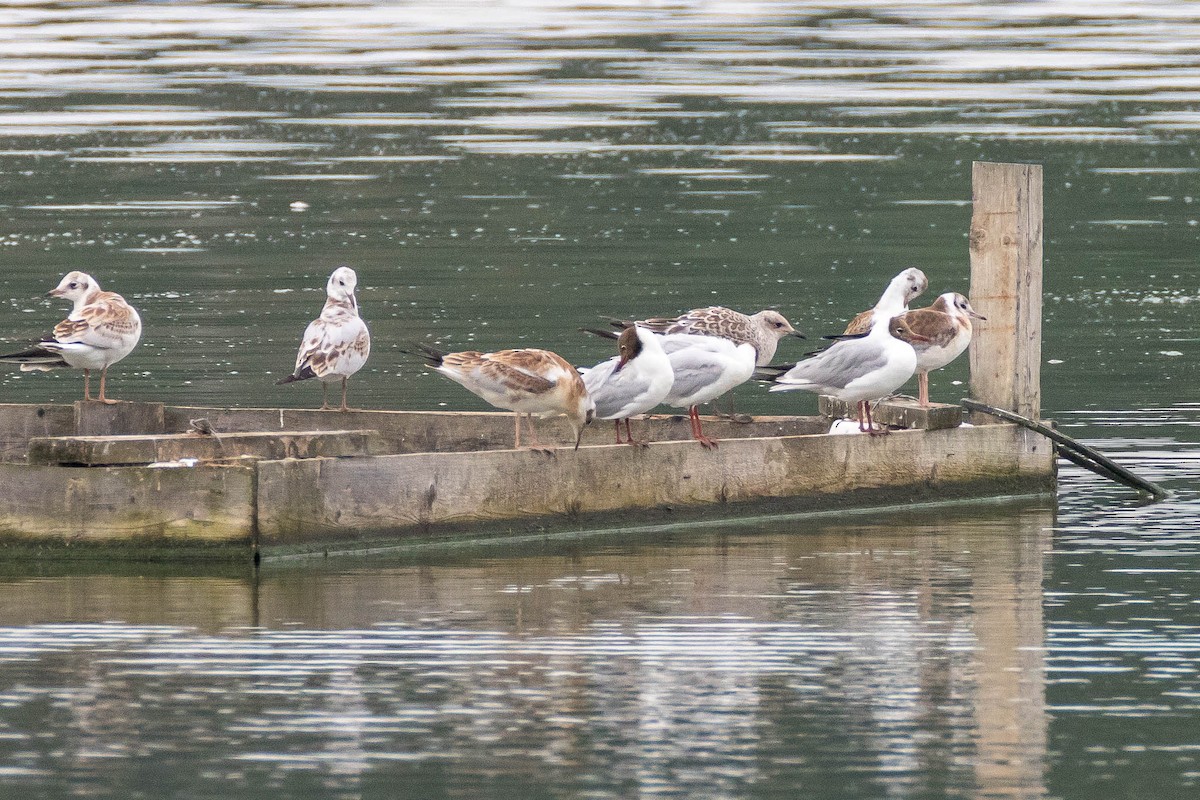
column 859, row 369
column 632, row 382
column 528, row 382
column 101, row 329
column 904, row 288
column 947, row 326
column 336, row 344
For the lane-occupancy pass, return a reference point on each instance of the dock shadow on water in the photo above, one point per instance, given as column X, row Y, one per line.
column 899, row 654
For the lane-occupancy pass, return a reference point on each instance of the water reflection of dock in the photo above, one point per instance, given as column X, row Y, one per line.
column 909, row 647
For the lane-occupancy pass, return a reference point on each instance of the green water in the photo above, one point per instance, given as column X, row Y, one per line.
column 500, row 175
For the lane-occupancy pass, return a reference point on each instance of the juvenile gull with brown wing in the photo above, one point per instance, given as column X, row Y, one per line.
column 101, row 329
column 336, row 344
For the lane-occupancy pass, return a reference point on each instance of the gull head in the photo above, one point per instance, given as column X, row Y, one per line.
column 899, row 329
column 629, row 344
column 962, row 306
column 581, row 413
column 914, row 283
column 342, row 284
column 75, row 286
column 775, row 324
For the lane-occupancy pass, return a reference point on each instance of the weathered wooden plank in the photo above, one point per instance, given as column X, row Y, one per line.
column 323, row 500
column 185, row 507
column 1006, row 287
column 899, row 412
column 117, row 419
column 461, row 431
column 20, row 422
column 117, row 450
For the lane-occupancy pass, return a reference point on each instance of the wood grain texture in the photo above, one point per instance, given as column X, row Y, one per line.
column 128, row 450
column 124, row 506
column 1006, row 287
column 310, row 501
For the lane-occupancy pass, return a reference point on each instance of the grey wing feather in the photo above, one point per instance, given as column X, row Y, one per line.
column 837, row 366
column 694, row 370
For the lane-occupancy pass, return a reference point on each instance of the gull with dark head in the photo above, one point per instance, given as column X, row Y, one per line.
column 904, row 288
column 947, row 325
column 528, row 382
column 100, row 330
column 859, row 369
column 704, row 368
column 762, row 331
column 336, row 344
column 632, row 382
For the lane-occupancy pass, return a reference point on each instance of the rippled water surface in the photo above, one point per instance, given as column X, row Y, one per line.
column 502, row 173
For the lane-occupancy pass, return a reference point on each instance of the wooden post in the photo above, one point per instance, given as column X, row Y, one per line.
column 1006, row 287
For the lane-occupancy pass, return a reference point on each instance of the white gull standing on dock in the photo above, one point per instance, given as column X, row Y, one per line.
column 705, row 368
column 904, row 288
column 527, row 381
column 947, row 325
column 101, row 329
column 631, row 383
column 336, row 344
column 859, row 369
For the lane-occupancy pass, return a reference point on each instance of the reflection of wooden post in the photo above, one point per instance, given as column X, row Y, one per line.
column 1009, row 664
column 1006, row 286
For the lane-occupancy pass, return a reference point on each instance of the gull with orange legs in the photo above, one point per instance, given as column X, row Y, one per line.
column 336, row 344
column 947, row 326
column 705, row 367
column 101, row 329
column 860, row 369
column 763, row 331
column 632, row 382
column 528, row 382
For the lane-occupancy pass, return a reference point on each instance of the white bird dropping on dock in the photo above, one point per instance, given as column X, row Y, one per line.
column 904, row 288
column 860, row 369
column 528, row 382
column 101, row 329
column 336, row 344
column 947, row 325
column 632, row 382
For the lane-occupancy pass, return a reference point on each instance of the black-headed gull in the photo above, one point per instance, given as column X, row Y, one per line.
column 100, row 330
column 528, row 382
column 705, row 368
column 947, row 325
column 859, row 369
column 632, row 382
column 336, row 344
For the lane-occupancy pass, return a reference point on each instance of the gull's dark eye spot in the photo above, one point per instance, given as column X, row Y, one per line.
column 74, row 284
